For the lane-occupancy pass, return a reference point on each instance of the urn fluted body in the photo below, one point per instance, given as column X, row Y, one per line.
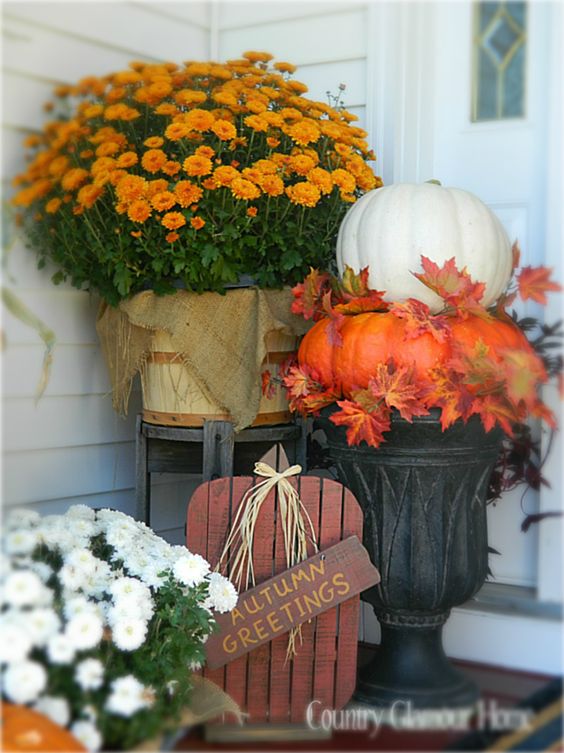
column 423, row 494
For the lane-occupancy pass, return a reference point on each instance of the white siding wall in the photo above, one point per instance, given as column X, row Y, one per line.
column 71, row 446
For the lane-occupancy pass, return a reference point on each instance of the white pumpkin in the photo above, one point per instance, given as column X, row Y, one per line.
column 389, row 228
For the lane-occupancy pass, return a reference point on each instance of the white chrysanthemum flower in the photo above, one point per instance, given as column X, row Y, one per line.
column 128, row 635
column 42, row 624
column 191, row 569
column 15, row 641
column 57, row 536
column 84, row 631
column 194, row 666
column 79, row 604
column 151, row 574
column 21, row 517
column 222, row 593
column 129, row 587
column 72, row 577
column 22, row 588
column 136, row 561
column 81, row 511
column 88, row 734
column 54, row 707
column 130, row 607
column 89, row 674
column 83, row 560
column 128, row 696
column 59, row 649
column 24, row 681
column 42, row 569
column 21, row 541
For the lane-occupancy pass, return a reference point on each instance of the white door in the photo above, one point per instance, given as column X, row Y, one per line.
column 433, row 117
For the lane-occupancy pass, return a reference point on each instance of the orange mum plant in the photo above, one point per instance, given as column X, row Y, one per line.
column 200, row 172
column 369, row 356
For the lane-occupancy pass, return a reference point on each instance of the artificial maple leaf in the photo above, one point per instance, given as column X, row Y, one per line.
column 515, row 255
column 540, row 410
column 395, row 386
column 418, row 320
column 300, row 382
column 362, row 425
column 495, row 409
column 353, row 296
column 523, row 372
column 447, row 391
column 454, row 286
column 333, row 330
column 268, row 385
column 535, row 282
column 313, row 402
column 308, row 295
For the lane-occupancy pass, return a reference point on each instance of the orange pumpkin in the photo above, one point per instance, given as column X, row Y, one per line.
column 372, row 338
column 26, row 730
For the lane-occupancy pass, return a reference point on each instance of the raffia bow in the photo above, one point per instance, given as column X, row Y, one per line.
column 296, row 524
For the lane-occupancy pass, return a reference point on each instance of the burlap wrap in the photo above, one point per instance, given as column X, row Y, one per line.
column 220, row 339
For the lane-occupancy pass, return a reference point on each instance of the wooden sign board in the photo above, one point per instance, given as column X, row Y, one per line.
column 268, row 687
column 297, row 595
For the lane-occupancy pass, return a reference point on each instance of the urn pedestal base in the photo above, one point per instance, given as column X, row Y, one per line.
column 412, row 671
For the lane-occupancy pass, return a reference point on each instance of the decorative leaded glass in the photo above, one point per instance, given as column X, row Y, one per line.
column 498, row 86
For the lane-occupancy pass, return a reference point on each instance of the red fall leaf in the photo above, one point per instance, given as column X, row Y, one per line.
column 308, row 295
column 418, row 320
column 396, row 387
column 454, row 286
column 534, row 282
column 362, row 425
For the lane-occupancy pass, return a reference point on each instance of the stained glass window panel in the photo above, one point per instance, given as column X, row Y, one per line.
column 498, row 87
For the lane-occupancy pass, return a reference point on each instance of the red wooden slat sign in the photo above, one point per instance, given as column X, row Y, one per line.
column 278, row 690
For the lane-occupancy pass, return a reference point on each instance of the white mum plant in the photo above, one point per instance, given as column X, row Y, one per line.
column 102, row 622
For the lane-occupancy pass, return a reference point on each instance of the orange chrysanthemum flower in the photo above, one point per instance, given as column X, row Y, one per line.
column 197, row 222
column 272, row 185
column 171, row 167
column 163, row 201
column 272, row 142
column 139, row 211
column 171, row 237
column 130, row 188
column 127, row 159
column 257, row 57
column 88, row 195
column 321, row 178
column 74, row 178
column 173, row 220
column 304, row 132
column 93, row 111
column 244, row 189
column 256, row 123
column 154, row 142
column 224, row 130
column 285, row 67
column 177, row 131
column 136, row 233
column 225, row 98
column 199, row 120
column 189, row 97
column 225, row 175
column 166, row 109
column 209, row 184
column 344, row 180
column 197, row 165
column 187, row 193
column 53, row 206
column 156, row 186
column 205, row 151
column 252, row 212
column 301, row 164
column 153, row 160
column 305, row 194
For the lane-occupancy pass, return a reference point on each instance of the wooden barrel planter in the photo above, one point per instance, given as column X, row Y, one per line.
column 171, row 397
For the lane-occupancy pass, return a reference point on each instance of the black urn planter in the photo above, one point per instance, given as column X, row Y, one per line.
column 423, row 493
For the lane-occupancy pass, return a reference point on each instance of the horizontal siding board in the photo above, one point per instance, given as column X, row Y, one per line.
column 75, row 370
column 327, row 77
column 340, row 36
column 70, row 313
column 59, row 422
column 126, row 28
column 13, row 161
column 23, row 97
column 192, row 13
column 29, row 477
column 240, row 14
column 36, row 56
